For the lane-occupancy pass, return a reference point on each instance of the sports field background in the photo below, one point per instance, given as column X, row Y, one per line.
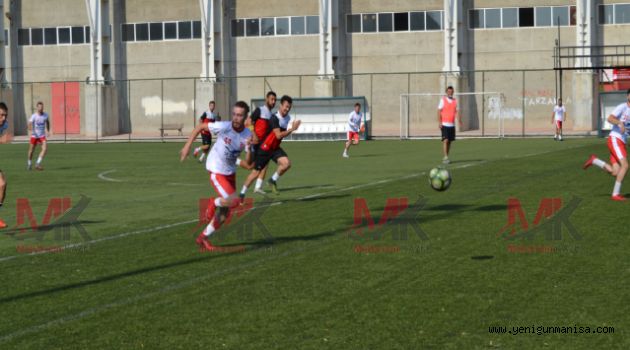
column 148, row 286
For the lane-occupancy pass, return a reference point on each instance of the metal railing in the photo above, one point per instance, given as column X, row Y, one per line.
column 166, row 109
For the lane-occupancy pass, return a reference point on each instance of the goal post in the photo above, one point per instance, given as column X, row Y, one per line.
column 482, row 115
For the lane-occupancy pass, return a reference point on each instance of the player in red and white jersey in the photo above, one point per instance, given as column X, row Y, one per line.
column 232, row 138
column 260, row 119
column 270, row 147
column 558, row 116
column 447, row 111
column 618, row 167
column 206, row 138
column 4, row 125
column 39, row 126
column 354, row 127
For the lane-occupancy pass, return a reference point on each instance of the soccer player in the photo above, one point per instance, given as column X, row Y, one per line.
column 270, row 147
column 206, row 138
column 559, row 114
column 232, row 138
column 447, row 111
column 4, row 124
column 260, row 119
column 620, row 119
column 39, row 125
column 354, row 126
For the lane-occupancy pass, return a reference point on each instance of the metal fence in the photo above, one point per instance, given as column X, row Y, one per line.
column 169, row 109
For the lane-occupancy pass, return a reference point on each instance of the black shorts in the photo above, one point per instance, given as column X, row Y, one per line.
column 206, row 139
column 263, row 157
column 256, row 148
column 448, row 133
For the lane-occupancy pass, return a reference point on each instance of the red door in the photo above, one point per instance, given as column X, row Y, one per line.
column 67, row 109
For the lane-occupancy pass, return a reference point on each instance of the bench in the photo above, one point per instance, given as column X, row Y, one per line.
column 177, row 127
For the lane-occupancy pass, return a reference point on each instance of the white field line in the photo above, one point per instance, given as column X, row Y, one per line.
column 292, row 200
column 194, row 280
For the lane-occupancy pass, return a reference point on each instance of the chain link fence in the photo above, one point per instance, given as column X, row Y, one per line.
column 169, row 109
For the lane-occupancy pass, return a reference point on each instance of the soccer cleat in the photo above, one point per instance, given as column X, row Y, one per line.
column 346, row 156
column 241, row 198
column 212, row 208
column 201, row 161
column 259, row 191
column 590, row 161
column 203, row 242
column 561, row 139
column 196, row 152
column 28, row 167
column 38, row 167
column 274, row 187
column 618, row 197
column 2, row 224
column 446, row 161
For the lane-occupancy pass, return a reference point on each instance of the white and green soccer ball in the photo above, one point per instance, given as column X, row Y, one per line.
column 439, row 178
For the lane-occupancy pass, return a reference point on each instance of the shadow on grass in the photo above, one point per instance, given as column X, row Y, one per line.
column 482, row 257
column 158, row 268
column 301, row 188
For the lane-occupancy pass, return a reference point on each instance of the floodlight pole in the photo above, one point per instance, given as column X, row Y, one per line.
column 3, row 74
column 207, row 41
column 325, row 41
column 98, row 16
column 451, row 44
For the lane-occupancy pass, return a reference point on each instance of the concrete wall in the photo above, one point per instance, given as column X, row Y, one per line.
column 140, row 105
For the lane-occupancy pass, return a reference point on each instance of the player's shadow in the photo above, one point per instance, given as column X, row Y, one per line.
column 322, row 197
column 448, row 207
column 493, row 207
column 467, row 161
column 278, row 240
column 303, row 187
column 108, row 278
column 367, row 155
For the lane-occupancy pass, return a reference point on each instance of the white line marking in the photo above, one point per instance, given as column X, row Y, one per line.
column 293, row 200
column 142, row 182
column 107, row 238
column 161, row 291
column 106, row 178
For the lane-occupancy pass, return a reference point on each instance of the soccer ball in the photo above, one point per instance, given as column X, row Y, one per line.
column 439, row 178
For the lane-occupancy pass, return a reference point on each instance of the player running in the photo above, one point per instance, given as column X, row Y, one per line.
column 260, row 119
column 270, row 146
column 559, row 114
column 39, row 125
column 232, row 138
column 354, row 127
column 620, row 119
column 4, row 125
column 447, row 111
column 206, row 138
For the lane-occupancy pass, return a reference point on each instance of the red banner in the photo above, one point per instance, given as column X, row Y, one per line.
column 621, row 74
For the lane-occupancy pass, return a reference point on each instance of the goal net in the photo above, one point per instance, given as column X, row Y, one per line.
column 482, row 115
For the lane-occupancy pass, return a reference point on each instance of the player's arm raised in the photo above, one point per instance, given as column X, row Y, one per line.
column 185, row 152
column 282, row 134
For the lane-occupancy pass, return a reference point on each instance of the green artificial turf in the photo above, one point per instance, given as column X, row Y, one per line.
column 309, row 289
